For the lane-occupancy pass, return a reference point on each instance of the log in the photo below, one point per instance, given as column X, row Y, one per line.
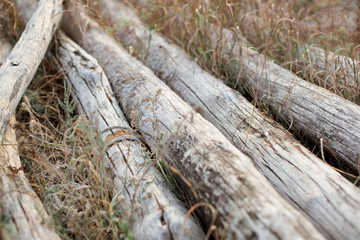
column 299, row 176
column 310, row 109
column 159, row 214
column 19, row 68
column 23, row 217
column 247, row 205
column 334, row 68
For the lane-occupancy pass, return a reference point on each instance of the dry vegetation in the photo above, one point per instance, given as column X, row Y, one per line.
column 278, row 29
column 62, row 153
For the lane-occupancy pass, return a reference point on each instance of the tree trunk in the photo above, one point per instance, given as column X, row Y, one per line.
column 247, row 206
column 19, row 68
column 306, row 107
column 160, row 215
column 334, row 68
column 289, row 166
column 22, row 214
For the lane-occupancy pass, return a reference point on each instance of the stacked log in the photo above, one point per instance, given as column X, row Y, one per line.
column 22, row 214
column 19, row 68
column 158, row 213
column 247, row 205
column 288, row 165
column 309, row 109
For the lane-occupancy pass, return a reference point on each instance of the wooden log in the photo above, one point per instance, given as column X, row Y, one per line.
column 19, row 68
column 23, row 217
column 294, row 171
column 334, row 68
column 158, row 214
column 247, row 205
column 310, row 109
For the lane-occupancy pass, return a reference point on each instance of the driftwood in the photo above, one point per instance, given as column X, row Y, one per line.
column 160, row 215
column 323, row 116
column 295, row 172
column 247, row 206
column 19, row 68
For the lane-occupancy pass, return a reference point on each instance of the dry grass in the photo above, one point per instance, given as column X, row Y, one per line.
column 64, row 159
column 276, row 28
column 63, row 154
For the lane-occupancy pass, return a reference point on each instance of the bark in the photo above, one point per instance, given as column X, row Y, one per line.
column 160, row 214
column 306, row 107
column 247, row 206
column 294, row 171
column 22, row 214
column 19, row 68
column 334, row 68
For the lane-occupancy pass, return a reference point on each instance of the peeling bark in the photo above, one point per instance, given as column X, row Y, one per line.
column 304, row 180
column 19, row 68
column 247, row 205
column 160, row 214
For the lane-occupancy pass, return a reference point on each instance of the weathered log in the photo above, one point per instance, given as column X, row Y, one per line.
column 294, row 171
column 19, row 68
column 160, row 214
column 22, row 214
column 334, row 68
column 320, row 114
column 247, row 205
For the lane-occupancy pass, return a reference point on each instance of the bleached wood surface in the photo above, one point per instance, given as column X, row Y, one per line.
column 306, row 107
column 160, row 214
column 303, row 179
column 333, row 67
column 23, row 217
column 19, row 68
column 247, row 205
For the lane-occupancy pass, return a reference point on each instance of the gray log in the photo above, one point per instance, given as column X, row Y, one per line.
column 334, row 68
column 247, row 205
column 306, row 107
column 158, row 214
column 295, row 172
column 23, row 216
column 19, row 68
